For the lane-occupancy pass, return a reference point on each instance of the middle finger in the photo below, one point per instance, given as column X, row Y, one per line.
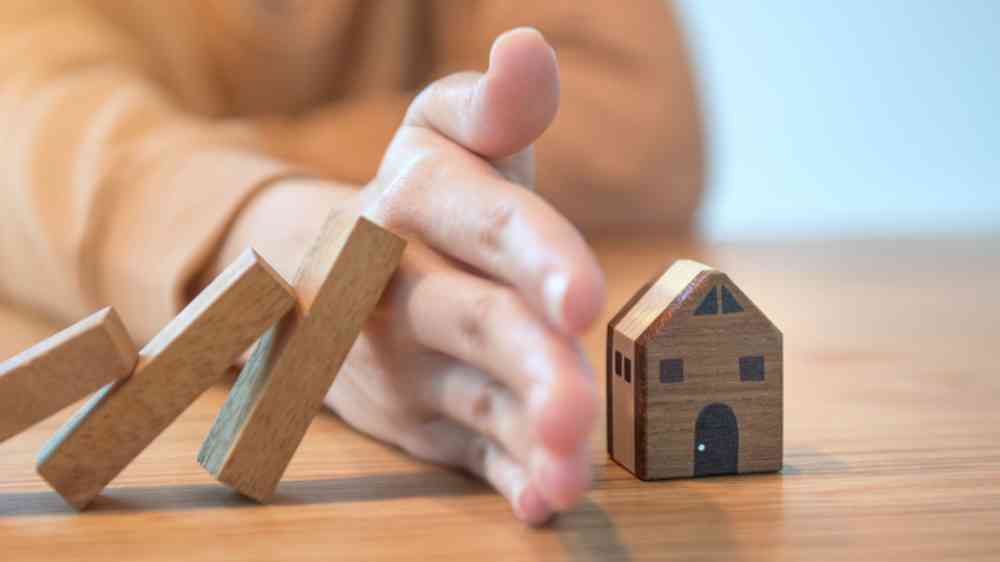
column 490, row 327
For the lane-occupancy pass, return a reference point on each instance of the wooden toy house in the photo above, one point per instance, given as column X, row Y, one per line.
column 694, row 379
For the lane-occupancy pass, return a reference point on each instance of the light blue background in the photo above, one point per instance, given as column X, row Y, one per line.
column 849, row 119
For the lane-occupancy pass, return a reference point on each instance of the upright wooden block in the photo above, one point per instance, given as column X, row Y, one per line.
column 62, row 369
column 694, row 379
column 282, row 387
column 174, row 368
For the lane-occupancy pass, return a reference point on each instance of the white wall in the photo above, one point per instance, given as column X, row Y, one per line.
column 849, row 118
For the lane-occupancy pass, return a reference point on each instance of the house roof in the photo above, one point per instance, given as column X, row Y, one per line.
column 673, row 284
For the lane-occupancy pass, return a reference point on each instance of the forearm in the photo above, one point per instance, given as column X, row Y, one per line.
column 111, row 193
column 342, row 141
column 625, row 149
column 280, row 223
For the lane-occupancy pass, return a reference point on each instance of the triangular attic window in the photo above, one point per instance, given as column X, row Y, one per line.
column 729, row 303
column 710, row 305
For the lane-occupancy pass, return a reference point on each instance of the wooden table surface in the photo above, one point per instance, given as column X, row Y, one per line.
column 892, row 444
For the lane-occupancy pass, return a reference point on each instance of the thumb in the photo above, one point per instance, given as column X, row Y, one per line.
column 503, row 111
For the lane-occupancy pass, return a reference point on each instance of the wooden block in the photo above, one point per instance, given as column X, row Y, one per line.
column 694, row 373
column 62, row 369
column 174, row 368
column 282, row 387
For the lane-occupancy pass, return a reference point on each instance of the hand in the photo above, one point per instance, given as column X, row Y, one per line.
column 472, row 359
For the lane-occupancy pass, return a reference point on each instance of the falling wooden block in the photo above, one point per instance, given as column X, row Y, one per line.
column 694, row 379
column 62, row 369
column 174, row 368
column 281, row 389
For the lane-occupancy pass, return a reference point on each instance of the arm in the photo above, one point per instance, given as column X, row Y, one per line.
column 472, row 359
column 625, row 150
column 112, row 193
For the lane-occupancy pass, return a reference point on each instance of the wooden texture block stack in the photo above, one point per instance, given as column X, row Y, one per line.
column 174, row 368
column 282, row 386
column 62, row 369
column 139, row 394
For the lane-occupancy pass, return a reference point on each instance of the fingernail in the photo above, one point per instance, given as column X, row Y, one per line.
column 554, row 292
column 531, row 507
column 502, row 37
column 561, row 480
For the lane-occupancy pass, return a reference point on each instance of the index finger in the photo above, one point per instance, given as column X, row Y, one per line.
column 462, row 207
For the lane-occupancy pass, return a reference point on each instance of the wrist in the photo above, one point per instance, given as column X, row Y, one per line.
column 280, row 222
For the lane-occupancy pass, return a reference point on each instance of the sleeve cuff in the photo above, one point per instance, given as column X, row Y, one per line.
column 170, row 224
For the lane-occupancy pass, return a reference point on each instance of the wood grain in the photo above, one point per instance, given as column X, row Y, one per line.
column 63, row 369
column 174, row 368
column 711, row 347
column 281, row 389
column 891, row 443
column 656, row 428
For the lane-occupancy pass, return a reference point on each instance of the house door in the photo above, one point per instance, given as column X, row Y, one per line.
column 716, row 441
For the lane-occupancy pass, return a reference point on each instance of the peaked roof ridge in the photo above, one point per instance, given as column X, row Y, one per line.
column 673, row 284
column 745, row 301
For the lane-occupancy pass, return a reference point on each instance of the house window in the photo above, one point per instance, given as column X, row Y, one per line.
column 729, row 304
column 752, row 368
column 710, row 305
column 671, row 371
column 628, row 370
column 618, row 363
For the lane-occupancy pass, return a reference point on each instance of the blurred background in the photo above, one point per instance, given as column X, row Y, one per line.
column 849, row 119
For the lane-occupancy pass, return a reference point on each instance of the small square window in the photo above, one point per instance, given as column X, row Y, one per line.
column 671, row 371
column 752, row 368
column 618, row 363
column 628, row 370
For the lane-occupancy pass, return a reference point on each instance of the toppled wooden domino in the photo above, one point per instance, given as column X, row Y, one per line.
column 62, row 369
column 174, row 368
column 281, row 389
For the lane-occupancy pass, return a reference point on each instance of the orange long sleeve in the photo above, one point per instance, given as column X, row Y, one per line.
column 110, row 192
column 133, row 132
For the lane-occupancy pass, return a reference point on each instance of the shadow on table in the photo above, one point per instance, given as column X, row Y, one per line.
column 695, row 527
column 589, row 533
column 137, row 499
column 686, row 519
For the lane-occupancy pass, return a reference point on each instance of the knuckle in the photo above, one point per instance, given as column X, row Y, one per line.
column 480, row 406
column 475, row 324
column 495, row 224
column 471, row 325
column 427, row 165
column 476, row 455
column 406, row 192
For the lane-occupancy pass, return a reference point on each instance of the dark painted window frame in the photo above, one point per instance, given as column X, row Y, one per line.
column 672, row 370
column 752, row 368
